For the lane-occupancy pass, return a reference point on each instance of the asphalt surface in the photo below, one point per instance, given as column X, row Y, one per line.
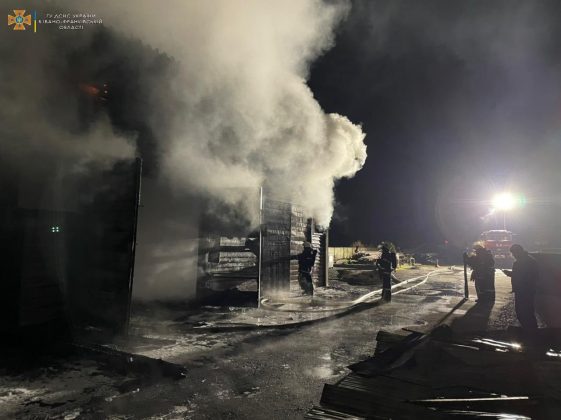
column 261, row 374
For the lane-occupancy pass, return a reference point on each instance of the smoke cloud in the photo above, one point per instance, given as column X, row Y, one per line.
column 213, row 96
column 455, row 94
column 242, row 115
column 40, row 123
column 235, row 115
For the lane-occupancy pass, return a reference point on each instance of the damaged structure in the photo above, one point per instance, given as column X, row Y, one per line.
column 70, row 185
column 443, row 374
column 260, row 261
column 462, row 367
column 68, row 258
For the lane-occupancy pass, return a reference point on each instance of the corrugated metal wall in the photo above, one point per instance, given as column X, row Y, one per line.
column 103, row 248
column 73, row 265
column 42, row 269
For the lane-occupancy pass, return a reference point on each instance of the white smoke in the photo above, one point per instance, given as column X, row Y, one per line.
column 235, row 114
column 245, row 117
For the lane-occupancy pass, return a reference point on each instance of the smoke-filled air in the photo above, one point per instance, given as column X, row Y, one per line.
column 213, row 97
column 243, row 116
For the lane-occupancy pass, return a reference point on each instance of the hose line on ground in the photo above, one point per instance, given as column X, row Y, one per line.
column 340, row 306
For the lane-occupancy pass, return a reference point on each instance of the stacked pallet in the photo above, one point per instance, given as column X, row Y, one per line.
column 226, row 262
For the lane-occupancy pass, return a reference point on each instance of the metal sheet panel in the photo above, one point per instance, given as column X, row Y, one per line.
column 72, row 262
column 102, row 244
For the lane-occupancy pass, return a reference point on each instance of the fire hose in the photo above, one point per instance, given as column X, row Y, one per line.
column 366, row 301
column 266, row 303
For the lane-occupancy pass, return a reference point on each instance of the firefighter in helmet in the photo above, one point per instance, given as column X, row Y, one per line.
column 306, row 260
column 386, row 264
column 483, row 275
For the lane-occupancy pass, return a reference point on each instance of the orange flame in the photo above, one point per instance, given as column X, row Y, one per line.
column 89, row 89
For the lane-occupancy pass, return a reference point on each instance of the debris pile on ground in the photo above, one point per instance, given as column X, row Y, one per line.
column 62, row 378
column 366, row 257
column 491, row 374
column 359, row 258
column 360, row 277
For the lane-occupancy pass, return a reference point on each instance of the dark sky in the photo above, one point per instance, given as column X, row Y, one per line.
column 459, row 100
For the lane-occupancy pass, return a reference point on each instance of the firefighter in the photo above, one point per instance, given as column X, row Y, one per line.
column 483, row 273
column 386, row 264
column 306, row 260
column 524, row 275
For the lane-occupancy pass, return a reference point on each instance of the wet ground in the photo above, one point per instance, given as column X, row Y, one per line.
column 263, row 373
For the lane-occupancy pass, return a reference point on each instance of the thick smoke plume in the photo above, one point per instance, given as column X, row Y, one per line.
column 212, row 95
column 242, row 115
column 40, row 123
column 462, row 99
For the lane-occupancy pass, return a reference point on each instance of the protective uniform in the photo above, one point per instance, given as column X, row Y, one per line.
column 483, row 274
column 386, row 264
column 306, row 260
column 525, row 275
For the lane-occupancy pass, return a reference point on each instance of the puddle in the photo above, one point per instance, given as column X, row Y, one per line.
column 326, row 371
column 8, row 394
column 402, row 321
column 74, row 414
column 223, row 394
column 252, row 392
column 321, row 372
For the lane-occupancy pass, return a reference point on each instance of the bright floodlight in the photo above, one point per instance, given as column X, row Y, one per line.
column 504, row 201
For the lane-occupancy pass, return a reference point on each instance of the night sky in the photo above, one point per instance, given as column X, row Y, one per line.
column 459, row 100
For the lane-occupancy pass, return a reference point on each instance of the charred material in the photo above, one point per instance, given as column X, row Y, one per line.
column 260, row 261
column 70, row 261
column 490, row 374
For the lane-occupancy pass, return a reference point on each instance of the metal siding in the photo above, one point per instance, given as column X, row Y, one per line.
column 41, row 268
column 82, row 273
column 102, row 241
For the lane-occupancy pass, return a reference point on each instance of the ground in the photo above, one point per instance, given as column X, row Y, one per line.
column 259, row 373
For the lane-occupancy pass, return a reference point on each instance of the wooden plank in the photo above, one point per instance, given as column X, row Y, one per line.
column 224, row 241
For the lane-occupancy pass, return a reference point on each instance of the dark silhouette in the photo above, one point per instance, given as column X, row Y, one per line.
column 306, row 260
column 386, row 264
column 476, row 318
column 524, row 276
column 483, row 274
